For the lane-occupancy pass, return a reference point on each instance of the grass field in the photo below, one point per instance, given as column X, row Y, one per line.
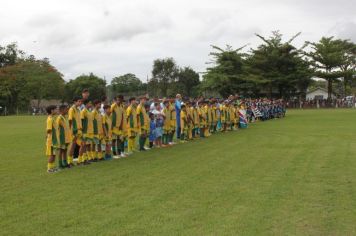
column 294, row 176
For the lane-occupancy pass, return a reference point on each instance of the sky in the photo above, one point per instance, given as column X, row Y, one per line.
column 115, row 37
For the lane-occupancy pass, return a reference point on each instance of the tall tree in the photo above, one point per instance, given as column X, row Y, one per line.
column 9, row 54
column 95, row 84
column 126, row 84
column 29, row 79
column 278, row 66
column 165, row 72
column 188, row 79
column 227, row 73
column 348, row 65
column 327, row 57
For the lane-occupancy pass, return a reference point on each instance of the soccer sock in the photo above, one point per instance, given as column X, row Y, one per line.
column 144, row 139
column 122, row 147
column 100, row 155
column 49, row 166
column 60, row 165
column 141, row 143
column 70, row 159
column 114, row 148
column 118, row 147
column 64, row 163
column 130, row 144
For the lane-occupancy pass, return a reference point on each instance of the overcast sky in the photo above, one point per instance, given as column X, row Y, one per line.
column 114, row 37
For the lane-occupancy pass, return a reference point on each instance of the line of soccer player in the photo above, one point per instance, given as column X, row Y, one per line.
column 103, row 131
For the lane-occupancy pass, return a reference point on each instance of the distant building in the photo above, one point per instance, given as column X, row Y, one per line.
column 318, row 94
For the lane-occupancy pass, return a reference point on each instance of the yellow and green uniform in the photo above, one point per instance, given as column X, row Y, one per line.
column 167, row 124
column 76, row 128
column 52, row 138
column 183, row 124
column 107, row 124
column 63, row 132
column 190, row 121
column 143, row 125
column 131, row 121
column 131, row 127
column 223, row 114
column 142, row 120
column 118, row 120
column 87, row 125
column 202, row 117
column 214, row 116
column 196, row 117
column 173, row 117
column 97, row 126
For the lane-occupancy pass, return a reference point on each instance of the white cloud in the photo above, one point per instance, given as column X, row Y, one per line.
column 114, row 37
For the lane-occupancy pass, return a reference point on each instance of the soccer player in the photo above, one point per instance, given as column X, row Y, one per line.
column 190, row 120
column 51, row 139
column 167, row 125
column 196, row 120
column 107, row 123
column 98, row 132
column 202, row 119
column 131, row 125
column 75, row 126
column 173, row 121
column 63, row 136
column 142, row 123
column 118, row 126
column 88, row 132
column 183, row 124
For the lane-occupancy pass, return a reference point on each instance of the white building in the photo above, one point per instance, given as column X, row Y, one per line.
column 318, row 93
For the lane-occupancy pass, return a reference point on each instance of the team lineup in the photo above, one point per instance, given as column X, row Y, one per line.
column 99, row 131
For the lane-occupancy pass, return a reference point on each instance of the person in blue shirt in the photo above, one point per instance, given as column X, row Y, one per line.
column 177, row 106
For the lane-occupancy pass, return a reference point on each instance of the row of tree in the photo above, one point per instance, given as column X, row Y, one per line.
column 276, row 68
column 279, row 69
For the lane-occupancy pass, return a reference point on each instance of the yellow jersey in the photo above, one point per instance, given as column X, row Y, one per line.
column 131, row 117
column 97, row 123
column 107, row 124
column 51, row 130
column 87, row 122
column 142, row 119
column 74, row 117
column 63, row 130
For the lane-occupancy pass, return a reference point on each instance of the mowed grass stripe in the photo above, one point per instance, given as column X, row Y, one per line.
column 293, row 176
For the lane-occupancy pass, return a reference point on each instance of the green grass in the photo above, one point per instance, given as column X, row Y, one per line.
column 294, row 176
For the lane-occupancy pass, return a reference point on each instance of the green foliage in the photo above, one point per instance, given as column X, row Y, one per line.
column 328, row 56
column 95, row 84
column 227, row 73
column 278, row 68
column 29, row 79
column 9, row 54
column 165, row 72
column 188, row 80
column 127, row 84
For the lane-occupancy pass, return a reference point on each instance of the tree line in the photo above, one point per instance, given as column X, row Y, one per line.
column 275, row 68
